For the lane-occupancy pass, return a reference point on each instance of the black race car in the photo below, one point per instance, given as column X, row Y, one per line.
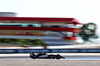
column 43, row 55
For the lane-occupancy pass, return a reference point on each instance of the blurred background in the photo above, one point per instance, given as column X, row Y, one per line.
column 85, row 11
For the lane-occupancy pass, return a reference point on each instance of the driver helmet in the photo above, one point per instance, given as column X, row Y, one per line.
column 43, row 52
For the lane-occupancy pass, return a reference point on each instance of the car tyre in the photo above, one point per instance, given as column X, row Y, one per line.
column 58, row 56
column 34, row 57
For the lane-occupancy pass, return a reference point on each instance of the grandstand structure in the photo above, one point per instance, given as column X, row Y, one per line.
column 53, row 31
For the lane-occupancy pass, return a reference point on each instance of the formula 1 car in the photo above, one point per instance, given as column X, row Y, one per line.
column 43, row 55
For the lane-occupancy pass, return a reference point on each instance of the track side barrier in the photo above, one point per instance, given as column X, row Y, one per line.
column 50, row 50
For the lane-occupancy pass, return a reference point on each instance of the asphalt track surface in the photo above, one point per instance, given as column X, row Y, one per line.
column 26, row 61
column 48, row 62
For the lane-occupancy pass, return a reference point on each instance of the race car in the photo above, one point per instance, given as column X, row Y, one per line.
column 43, row 55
